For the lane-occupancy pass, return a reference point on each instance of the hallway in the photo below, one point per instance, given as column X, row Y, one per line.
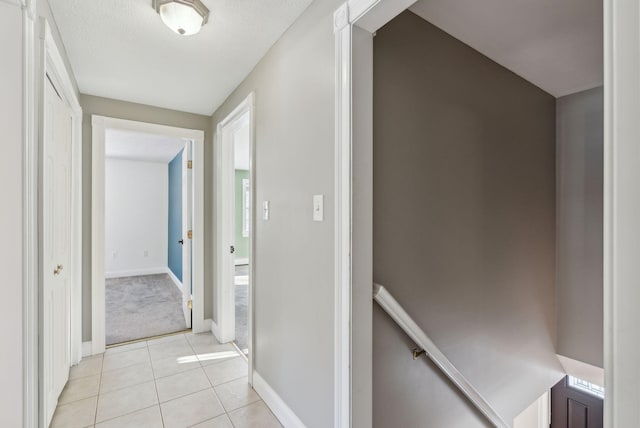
column 185, row 380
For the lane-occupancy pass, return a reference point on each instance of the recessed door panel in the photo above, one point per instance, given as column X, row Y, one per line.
column 56, row 223
column 574, row 408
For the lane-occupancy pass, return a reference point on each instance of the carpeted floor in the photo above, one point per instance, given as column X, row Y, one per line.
column 138, row 307
column 242, row 288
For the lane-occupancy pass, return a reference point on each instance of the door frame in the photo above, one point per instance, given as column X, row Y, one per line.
column 99, row 126
column 223, row 299
column 354, row 24
column 187, row 224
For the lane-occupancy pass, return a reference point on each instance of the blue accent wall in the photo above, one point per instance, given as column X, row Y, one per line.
column 175, row 215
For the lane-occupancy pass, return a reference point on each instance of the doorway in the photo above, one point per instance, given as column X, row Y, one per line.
column 130, row 265
column 235, row 226
column 148, row 210
column 576, row 403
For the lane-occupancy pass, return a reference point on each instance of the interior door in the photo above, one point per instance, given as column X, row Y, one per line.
column 574, row 408
column 56, row 225
column 187, row 233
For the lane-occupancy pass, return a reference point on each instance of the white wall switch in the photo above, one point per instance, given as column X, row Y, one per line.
column 265, row 210
column 318, row 207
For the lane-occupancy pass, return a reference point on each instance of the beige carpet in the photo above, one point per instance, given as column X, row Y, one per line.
column 138, row 307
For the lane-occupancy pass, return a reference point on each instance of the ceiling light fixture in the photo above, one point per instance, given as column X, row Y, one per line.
column 185, row 17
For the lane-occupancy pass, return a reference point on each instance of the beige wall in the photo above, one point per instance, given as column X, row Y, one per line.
column 124, row 110
column 580, row 138
column 464, row 227
column 294, row 87
column 11, row 103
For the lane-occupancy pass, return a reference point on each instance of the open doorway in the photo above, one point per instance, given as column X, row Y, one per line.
column 241, row 230
column 145, row 251
column 148, row 208
column 235, row 228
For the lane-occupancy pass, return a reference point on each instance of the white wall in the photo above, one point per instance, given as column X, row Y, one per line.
column 534, row 416
column 11, row 214
column 136, row 217
column 579, row 177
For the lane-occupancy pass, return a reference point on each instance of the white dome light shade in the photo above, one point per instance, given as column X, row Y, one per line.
column 185, row 17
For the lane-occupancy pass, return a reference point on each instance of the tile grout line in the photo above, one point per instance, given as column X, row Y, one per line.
column 134, row 411
column 201, row 365
column 155, row 384
column 212, row 387
column 95, row 416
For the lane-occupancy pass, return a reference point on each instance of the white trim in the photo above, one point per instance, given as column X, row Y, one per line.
column 621, row 207
column 285, row 415
column 30, row 207
column 99, row 125
column 186, row 225
column 214, row 329
column 137, row 272
column 198, row 324
column 342, row 237
column 206, row 325
column 224, row 328
column 98, row 335
column 544, row 410
column 539, row 409
column 582, row 370
column 241, row 262
column 87, row 349
column 174, row 278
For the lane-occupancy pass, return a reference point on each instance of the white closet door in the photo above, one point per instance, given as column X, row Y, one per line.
column 187, row 234
column 56, row 227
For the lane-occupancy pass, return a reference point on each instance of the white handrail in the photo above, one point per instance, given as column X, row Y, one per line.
column 408, row 325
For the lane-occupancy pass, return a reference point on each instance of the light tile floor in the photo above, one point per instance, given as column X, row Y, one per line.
column 186, row 380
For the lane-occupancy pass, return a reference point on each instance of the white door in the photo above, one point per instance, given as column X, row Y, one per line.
column 187, row 233
column 56, row 224
column 230, row 133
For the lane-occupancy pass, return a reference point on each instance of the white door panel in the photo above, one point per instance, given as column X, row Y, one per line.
column 187, row 246
column 56, row 246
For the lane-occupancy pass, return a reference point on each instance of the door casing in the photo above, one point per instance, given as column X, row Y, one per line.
column 223, row 325
column 99, row 126
column 187, row 205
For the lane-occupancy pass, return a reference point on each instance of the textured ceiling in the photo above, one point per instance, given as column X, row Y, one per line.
column 121, row 49
column 556, row 45
column 140, row 146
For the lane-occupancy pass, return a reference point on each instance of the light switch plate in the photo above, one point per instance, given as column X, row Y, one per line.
column 318, row 207
column 265, row 210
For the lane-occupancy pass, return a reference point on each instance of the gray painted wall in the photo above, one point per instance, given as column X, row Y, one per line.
column 124, row 110
column 464, row 227
column 580, row 138
column 294, row 87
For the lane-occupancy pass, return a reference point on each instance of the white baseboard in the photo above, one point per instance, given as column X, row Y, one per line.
column 136, row 272
column 207, row 324
column 277, row 405
column 215, row 330
column 241, row 262
column 175, row 279
column 87, row 349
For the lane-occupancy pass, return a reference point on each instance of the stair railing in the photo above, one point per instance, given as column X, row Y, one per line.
column 409, row 326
